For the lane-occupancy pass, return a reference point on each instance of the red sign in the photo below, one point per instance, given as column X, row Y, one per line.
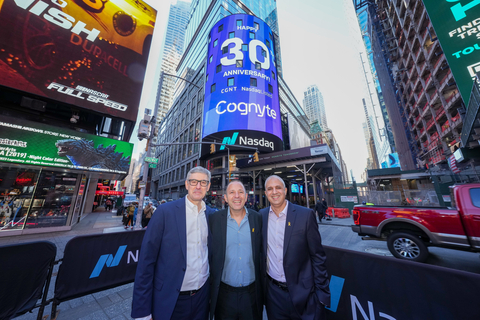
column 110, row 193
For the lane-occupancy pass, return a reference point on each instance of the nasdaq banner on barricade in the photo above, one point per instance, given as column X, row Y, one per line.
column 241, row 92
column 366, row 286
column 25, row 269
column 91, row 54
column 98, row 262
column 32, row 143
column 457, row 25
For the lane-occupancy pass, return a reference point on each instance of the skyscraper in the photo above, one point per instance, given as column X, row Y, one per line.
column 183, row 122
column 172, row 53
column 314, row 106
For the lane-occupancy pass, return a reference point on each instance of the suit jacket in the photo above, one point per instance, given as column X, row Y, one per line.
column 303, row 257
column 162, row 263
column 217, row 247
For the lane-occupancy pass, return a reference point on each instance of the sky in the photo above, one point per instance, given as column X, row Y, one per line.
column 320, row 44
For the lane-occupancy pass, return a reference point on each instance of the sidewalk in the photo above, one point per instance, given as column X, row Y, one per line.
column 114, row 303
column 109, row 304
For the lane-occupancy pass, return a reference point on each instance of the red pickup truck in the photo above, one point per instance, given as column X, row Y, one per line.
column 410, row 230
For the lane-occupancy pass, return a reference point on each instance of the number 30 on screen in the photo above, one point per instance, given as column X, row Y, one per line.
column 252, row 52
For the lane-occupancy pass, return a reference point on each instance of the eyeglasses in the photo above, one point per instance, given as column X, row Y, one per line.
column 194, row 182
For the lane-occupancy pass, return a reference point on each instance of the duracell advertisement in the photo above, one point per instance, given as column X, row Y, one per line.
column 89, row 53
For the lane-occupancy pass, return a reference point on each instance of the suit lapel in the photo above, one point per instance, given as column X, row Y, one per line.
column 289, row 225
column 223, row 232
column 181, row 218
column 251, row 222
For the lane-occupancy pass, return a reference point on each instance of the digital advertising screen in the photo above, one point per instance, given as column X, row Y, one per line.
column 241, row 92
column 31, row 143
column 88, row 53
column 294, row 188
column 457, row 24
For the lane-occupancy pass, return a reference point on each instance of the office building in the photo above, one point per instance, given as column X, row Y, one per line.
column 184, row 122
column 314, row 106
column 172, row 52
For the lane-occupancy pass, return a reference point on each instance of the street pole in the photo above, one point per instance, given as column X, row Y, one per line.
column 138, row 222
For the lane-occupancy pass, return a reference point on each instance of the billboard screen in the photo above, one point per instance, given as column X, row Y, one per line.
column 91, row 54
column 32, row 143
column 241, row 91
column 456, row 25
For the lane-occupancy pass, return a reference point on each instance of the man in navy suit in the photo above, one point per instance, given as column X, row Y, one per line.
column 295, row 276
column 172, row 273
column 235, row 245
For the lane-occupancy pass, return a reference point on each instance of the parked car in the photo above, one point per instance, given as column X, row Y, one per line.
column 409, row 231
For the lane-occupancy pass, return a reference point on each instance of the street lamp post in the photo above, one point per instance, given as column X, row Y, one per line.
column 149, row 148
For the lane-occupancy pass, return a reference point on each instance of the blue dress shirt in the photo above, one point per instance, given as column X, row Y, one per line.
column 238, row 270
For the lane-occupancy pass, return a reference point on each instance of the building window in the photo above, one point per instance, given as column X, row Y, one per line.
column 264, row 53
column 253, row 82
column 220, row 28
column 271, row 38
column 210, row 59
column 239, row 63
column 215, row 43
column 225, row 49
column 273, row 75
column 268, row 43
column 231, row 82
column 219, row 68
column 251, row 35
column 231, row 35
column 257, row 26
column 270, row 88
column 244, row 47
column 239, row 23
column 258, row 66
column 206, row 80
column 212, row 88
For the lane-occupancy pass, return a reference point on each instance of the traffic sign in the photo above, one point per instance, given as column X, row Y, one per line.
column 152, row 165
column 151, row 160
column 141, row 184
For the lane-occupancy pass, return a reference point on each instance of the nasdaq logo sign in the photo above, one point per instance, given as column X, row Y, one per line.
column 109, row 261
column 228, row 140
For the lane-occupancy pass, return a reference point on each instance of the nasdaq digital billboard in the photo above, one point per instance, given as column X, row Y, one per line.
column 91, row 54
column 241, row 91
column 457, row 25
column 31, row 143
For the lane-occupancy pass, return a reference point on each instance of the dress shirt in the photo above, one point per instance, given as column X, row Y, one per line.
column 238, row 269
column 197, row 271
column 275, row 236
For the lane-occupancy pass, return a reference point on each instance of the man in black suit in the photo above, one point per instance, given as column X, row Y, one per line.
column 235, row 242
column 295, row 276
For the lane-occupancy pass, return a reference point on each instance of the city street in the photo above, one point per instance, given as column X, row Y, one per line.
column 116, row 303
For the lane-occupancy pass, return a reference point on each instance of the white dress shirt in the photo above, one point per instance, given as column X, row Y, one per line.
column 197, row 250
column 275, row 238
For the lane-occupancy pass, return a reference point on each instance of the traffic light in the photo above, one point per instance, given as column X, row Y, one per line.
column 255, row 157
column 212, row 148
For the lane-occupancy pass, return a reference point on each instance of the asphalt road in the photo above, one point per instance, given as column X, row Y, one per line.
column 344, row 237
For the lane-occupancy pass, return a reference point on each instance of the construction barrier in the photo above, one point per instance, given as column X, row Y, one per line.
column 338, row 212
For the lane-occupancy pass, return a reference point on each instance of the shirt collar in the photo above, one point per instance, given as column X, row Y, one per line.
column 193, row 207
column 282, row 213
column 230, row 216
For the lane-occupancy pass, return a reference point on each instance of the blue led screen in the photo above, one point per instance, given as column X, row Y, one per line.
column 241, row 91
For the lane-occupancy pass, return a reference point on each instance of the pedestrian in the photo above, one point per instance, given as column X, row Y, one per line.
column 108, row 204
column 172, row 279
column 295, row 276
column 319, row 210
column 130, row 212
column 324, row 208
column 135, row 214
column 235, row 244
column 148, row 211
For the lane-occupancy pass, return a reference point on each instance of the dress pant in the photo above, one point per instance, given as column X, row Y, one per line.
column 279, row 305
column 237, row 303
column 193, row 307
